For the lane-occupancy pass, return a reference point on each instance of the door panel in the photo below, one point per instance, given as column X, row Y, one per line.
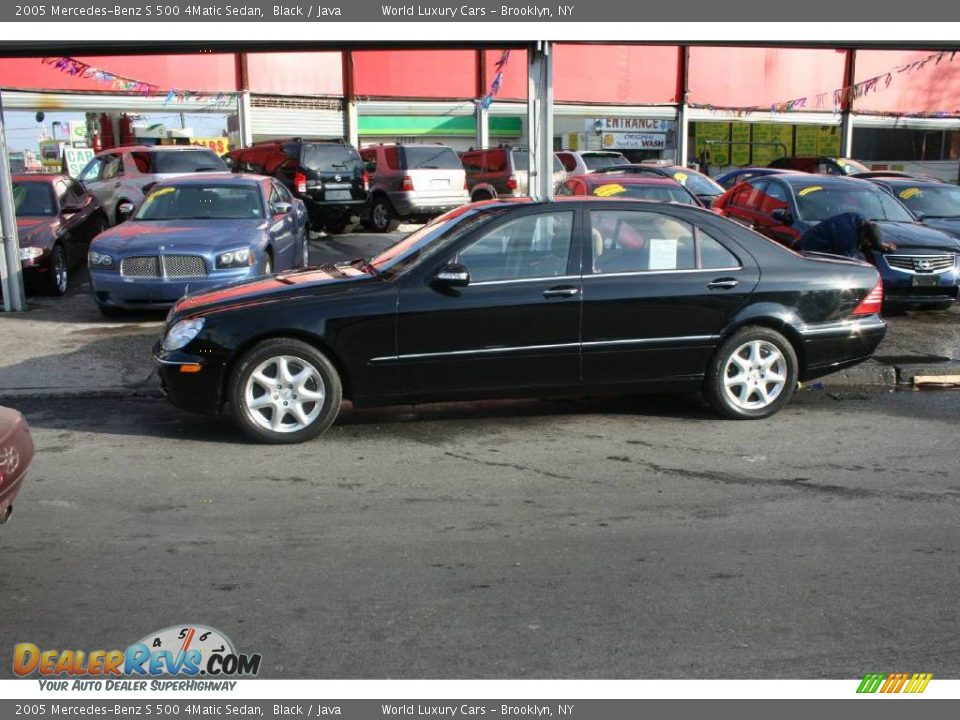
column 657, row 292
column 515, row 325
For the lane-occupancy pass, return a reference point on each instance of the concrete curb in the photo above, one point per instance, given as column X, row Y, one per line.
column 874, row 373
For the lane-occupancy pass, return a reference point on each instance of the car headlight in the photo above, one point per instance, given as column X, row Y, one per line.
column 99, row 261
column 30, row 253
column 235, row 259
column 182, row 333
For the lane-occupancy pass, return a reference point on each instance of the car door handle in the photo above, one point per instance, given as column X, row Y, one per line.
column 722, row 284
column 561, row 291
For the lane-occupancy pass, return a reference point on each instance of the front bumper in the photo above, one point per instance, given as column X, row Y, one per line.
column 110, row 289
column 905, row 288
column 199, row 391
column 407, row 204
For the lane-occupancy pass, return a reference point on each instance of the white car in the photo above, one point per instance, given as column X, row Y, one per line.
column 580, row 162
column 121, row 176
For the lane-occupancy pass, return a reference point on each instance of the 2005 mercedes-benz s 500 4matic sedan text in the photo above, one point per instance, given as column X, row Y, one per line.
column 521, row 298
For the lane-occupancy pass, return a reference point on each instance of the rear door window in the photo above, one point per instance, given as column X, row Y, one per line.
column 112, row 166
column 429, row 157
column 330, row 158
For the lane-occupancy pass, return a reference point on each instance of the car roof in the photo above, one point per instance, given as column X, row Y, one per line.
column 899, row 180
column 808, row 179
column 214, row 178
column 629, row 179
column 38, row 178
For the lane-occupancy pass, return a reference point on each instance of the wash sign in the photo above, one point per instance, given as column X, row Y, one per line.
column 632, row 133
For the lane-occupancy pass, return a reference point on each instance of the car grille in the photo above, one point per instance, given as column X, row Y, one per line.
column 171, row 266
column 923, row 264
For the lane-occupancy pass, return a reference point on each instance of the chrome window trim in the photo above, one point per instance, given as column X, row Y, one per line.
column 648, row 341
column 661, row 272
column 522, row 280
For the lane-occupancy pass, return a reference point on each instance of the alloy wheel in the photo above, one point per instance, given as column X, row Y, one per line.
column 381, row 215
column 755, row 375
column 59, row 270
column 284, row 394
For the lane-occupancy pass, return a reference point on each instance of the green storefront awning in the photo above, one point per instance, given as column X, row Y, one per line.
column 450, row 125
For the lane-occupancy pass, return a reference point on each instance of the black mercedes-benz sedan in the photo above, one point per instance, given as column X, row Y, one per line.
column 518, row 298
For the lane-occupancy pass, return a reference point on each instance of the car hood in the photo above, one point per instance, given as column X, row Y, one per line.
column 915, row 235
column 30, row 229
column 951, row 226
column 267, row 289
column 141, row 236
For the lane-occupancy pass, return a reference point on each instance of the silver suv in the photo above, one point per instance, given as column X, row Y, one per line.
column 412, row 182
column 580, row 162
column 121, row 176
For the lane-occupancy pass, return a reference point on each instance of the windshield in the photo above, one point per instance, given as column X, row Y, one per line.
column 696, row 183
column 850, row 167
column 429, row 157
column 33, row 200
column 941, row 201
column 596, row 161
column 330, row 156
column 186, row 161
column 432, row 236
column 662, row 193
column 816, row 203
column 197, row 202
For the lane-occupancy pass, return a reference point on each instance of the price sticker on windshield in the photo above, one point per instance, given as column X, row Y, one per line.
column 608, row 190
column 811, row 189
column 909, row 193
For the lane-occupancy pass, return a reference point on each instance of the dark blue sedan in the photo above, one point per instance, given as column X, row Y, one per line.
column 730, row 178
column 195, row 233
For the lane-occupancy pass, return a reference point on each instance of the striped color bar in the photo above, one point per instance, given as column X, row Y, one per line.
column 894, row 682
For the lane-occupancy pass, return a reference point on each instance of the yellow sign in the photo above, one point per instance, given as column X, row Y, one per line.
column 783, row 136
column 608, row 190
column 806, row 140
column 718, row 152
column 762, row 153
column 828, row 143
column 909, row 193
column 740, row 147
column 811, row 189
column 220, row 145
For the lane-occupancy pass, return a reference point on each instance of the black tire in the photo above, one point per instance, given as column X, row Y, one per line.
column 337, row 227
column 59, row 276
column 297, row 350
column 481, row 196
column 382, row 219
column 719, row 371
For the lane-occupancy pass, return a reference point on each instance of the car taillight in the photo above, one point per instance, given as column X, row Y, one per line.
column 512, row 182
column 407, row 184
column 366, row 180
column 300, row 182
column 872, row 303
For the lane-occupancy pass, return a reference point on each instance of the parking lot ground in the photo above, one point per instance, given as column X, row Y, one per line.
column 637, row 537
column 63, row 346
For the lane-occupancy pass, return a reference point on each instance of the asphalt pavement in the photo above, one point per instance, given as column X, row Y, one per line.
column 629, row 538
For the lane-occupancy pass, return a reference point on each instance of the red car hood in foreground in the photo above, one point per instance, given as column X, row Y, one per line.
column 16, row 452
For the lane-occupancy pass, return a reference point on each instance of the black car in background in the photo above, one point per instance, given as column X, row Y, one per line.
column 327, row 175
column 56, row 220
column 934, row 203
column 522, row 298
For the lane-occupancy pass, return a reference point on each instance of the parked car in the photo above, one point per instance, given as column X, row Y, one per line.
column 194, row 233
column 932, row 202
column 514, row 297
column 821, row 165
column 626, row 185
column 921, row 272
column 412, row 182
column 56, row 220
column 894, row 174
column 696, row 182
column 500, row 172
column 730, row 178
column 328, row 176
column 579, row 162
column 16, row 452
column 121, row 176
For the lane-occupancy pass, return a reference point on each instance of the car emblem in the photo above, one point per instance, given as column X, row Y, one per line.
column 337, row 178
column 923, row 264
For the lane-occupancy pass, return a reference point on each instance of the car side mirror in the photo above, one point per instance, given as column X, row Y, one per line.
column 452, row 275
column 782, row 215
column 370, row 167
column 282, row 208
column 125, row 210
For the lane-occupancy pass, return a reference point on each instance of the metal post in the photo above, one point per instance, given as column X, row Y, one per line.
column 846, row 115
column 540, row 120
column 11, row 274
column 244, row 119
column 483, row 128
column 351, row 121
column 683, row 114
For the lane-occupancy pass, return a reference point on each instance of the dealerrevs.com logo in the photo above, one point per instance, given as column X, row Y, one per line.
column 181, row 651
column 887, row 683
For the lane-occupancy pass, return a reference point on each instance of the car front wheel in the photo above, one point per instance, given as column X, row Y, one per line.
column 752, row 375
column 285, row 391
column 58, row 278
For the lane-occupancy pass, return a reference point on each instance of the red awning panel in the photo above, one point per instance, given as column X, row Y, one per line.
column 441, row 74
column 933, row 88
column 295, row 73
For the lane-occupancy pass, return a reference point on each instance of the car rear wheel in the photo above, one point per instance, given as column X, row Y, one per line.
column 285, row 391
column 58, row 278
column 381, row 216
column 752, row 375
column 305, row 253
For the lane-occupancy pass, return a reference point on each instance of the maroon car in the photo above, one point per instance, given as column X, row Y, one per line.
column 56, row 220
column 628, row 185
column 16, row 452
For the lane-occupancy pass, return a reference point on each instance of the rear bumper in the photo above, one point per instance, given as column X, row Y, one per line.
column 200, row 392
column 407, row 204
column 322, row 210
column 828, row 347
column 112, row 290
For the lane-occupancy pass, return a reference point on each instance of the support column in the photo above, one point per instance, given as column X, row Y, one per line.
column 483, row 128
column 846, row 105
column 243, row 117
column 683, row 114
column 11, row 273
column 351, row 122
column 540, row 120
